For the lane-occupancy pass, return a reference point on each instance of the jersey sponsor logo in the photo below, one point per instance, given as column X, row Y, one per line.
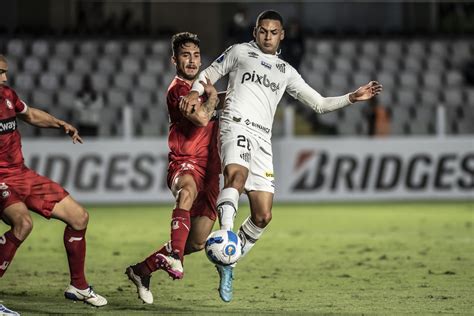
column 281, row 67
column 266, row 65
column 269, row 174
column 9, row 104
column 253, row 54
column 261, row 80
column 7, row 125
column 257, row 125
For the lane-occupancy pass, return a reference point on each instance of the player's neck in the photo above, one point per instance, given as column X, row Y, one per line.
column 189, row 82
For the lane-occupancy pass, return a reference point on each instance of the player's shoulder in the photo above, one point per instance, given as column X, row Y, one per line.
column 178, row 88
column 8, row 92
column 285, row 67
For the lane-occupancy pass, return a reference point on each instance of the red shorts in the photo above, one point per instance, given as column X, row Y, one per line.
column 40, row 194
column 207, row 183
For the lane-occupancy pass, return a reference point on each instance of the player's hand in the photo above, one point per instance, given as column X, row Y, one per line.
column 366, row 92
column 188, row 103
column 71, row 131
column 209, row 88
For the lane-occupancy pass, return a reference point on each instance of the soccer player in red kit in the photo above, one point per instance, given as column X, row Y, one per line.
column 193, row 170
column 22, row 189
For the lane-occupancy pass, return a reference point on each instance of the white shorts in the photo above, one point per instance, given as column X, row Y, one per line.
column 238, row 145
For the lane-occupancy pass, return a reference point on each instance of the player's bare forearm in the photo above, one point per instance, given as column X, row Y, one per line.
column 42, row 119
column 39, row 118
column 203, row 114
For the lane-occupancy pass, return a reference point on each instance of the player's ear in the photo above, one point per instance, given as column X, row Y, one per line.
column 255, row 32
column 173, row 60
column 282, row 35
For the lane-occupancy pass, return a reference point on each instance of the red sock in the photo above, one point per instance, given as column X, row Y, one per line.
column 8, row 246
column 147, row 266
column 75, row 243
column 180, row 226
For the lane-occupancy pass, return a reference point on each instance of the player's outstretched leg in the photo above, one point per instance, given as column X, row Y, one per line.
column 4, row 311
column 226, row 275
column 142, row 282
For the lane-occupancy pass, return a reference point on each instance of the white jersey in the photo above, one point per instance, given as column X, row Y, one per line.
column 257, row 82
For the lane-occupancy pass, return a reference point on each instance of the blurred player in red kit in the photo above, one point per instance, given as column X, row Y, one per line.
column 22, row 189
column 193, row 170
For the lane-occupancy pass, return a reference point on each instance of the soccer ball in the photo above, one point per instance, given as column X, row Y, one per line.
column 223, row 247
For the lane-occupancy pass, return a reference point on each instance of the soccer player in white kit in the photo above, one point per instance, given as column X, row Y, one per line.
column 257, row 80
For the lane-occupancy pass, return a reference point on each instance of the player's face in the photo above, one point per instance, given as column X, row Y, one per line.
column 188, row 61
column 3, row 72
column 268, row 35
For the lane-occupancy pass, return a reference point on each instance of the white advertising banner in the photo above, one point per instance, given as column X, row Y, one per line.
column 106, row 170
column 306, row 170
column 374, row 169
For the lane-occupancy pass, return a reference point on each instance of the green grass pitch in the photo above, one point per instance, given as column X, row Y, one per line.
column 354, row 258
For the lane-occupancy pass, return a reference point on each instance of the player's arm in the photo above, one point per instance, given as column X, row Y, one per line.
column 202, row 114
column 301, row 91
column 218, row 69
column 39, row 118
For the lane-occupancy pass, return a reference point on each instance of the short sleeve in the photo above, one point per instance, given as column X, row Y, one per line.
column 20, row 106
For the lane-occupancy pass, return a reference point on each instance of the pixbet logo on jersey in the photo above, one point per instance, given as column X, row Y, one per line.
column 262, row 80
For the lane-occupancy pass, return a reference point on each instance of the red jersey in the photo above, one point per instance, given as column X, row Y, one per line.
column 186, row 140
column 11, row 156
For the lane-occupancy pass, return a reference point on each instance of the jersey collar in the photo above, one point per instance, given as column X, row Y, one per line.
column 255, row 45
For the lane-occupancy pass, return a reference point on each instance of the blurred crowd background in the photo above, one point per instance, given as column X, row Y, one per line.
column 105, row 65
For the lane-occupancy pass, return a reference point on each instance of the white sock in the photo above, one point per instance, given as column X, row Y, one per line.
column 249, row 233
column 227, row 205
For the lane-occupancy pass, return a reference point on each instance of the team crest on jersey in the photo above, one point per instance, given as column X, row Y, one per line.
column 253, row 54
column 281, row 67
column 9, row 104
column 3, row 186
column 5, row 194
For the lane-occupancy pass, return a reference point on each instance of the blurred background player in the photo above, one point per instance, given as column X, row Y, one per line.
column 87, row 106
column 258, row 79
column 22, row 189
column 193, row 170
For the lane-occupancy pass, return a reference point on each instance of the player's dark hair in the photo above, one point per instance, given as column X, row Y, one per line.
column 3, row 58
column 179, row 39
column 269, row 15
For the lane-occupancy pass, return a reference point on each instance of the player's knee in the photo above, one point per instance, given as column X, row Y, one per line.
column 185, row 198
column 80, row 220
column 237, row 180
column 262, row 220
